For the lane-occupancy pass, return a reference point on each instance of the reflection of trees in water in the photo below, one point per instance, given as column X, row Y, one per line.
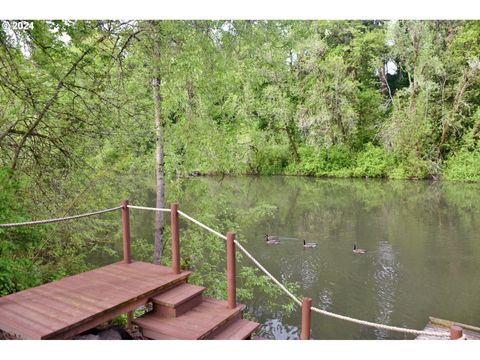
column 273, row 323
column 397, row 221
column 385, row 281
column 275, row 329
column 325, row 299
column 308, row 273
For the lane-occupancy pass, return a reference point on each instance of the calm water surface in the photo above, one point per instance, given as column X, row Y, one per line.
column 423, row 242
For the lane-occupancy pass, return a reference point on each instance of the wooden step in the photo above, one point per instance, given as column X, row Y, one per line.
column 177, row 300
column 240, row 329
column 199, row 322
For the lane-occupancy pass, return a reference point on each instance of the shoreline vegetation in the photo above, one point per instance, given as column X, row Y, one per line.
column 92, row 111
column 372, row 162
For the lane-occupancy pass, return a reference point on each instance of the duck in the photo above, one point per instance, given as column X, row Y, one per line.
column 309, row 245
column 272, row 240
column 358, row 251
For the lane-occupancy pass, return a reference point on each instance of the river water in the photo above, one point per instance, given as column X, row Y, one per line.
column 422, row 240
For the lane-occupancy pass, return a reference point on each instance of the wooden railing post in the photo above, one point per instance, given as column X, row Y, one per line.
column 126, row 232
column 456, row 332
column 231, row 272
column 175, row 238
column 129, row 320
column 306, row 318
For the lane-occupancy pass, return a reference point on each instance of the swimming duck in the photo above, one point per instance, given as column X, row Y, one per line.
column 358, row 251
column 272, row 240
column 309, row 245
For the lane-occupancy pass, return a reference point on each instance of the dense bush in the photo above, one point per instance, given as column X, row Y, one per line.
column 334, row 161
column 17, row 269
column 270, row 160
column 463, row 165
column 373, row 161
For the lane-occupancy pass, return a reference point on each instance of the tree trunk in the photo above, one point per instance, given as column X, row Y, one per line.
column 384, row 86
column 293, row 146
column 159, row 161
column 414, row 87
column 468, row 77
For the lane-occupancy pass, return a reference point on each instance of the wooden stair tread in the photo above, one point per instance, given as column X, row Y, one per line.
column 177, row 295
column 240, row 329
column 197, row 323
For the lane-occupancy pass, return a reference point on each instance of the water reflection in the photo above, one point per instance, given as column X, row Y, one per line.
column 274, row 329
column 422, row 241
column 385, row 283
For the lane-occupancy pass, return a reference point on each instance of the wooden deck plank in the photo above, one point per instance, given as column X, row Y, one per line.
column 211, row 310
column 79, row 288
column 64, row 310
column 47, row 320
column 122, row 277
column 174, row 331
column 129, row 273
column 448, row 323
column 97, row 319
column 107, row 314
column 116, row 287
column 239, row 330
column 445, row 332
column 197, row 323
column 164, row 272
column 65, row 297
column 64, row 307
column 87, row 294
column 178, row 295
column 22, row 328
column 42, row 308
column 12, row 319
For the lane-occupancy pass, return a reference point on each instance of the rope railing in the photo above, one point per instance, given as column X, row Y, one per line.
column 377, row 325
column 202, row 225
column 250, row 256
column 148, row 208
column 297, row 300
column 66, row 218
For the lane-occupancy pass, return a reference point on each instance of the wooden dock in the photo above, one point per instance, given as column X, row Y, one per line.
column 67, row 307
column 443, row 327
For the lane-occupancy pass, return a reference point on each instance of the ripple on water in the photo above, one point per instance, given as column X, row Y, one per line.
column 275, row 329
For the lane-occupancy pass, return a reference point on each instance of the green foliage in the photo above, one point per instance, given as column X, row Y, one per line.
column 237, row 97
column 333, row 161
column 17, row 271
column 17, row 268
column 373, row 161
column 142, row 249
column 270, row 160
column 464, row 165
column 409, row 168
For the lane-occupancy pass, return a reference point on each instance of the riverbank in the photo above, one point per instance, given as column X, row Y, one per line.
column 340, row 162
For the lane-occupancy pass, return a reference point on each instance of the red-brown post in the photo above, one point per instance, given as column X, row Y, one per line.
column 175, row 238
column 126, row 232
column 306, row 318
column 456, row 332
column 129, row 320
column 231, row 272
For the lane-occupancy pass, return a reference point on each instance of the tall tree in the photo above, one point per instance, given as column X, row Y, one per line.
column 159, row 132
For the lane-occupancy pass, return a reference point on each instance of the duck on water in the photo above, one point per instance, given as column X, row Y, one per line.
column 309, row 245
column 358, row 251
column 272, row 240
